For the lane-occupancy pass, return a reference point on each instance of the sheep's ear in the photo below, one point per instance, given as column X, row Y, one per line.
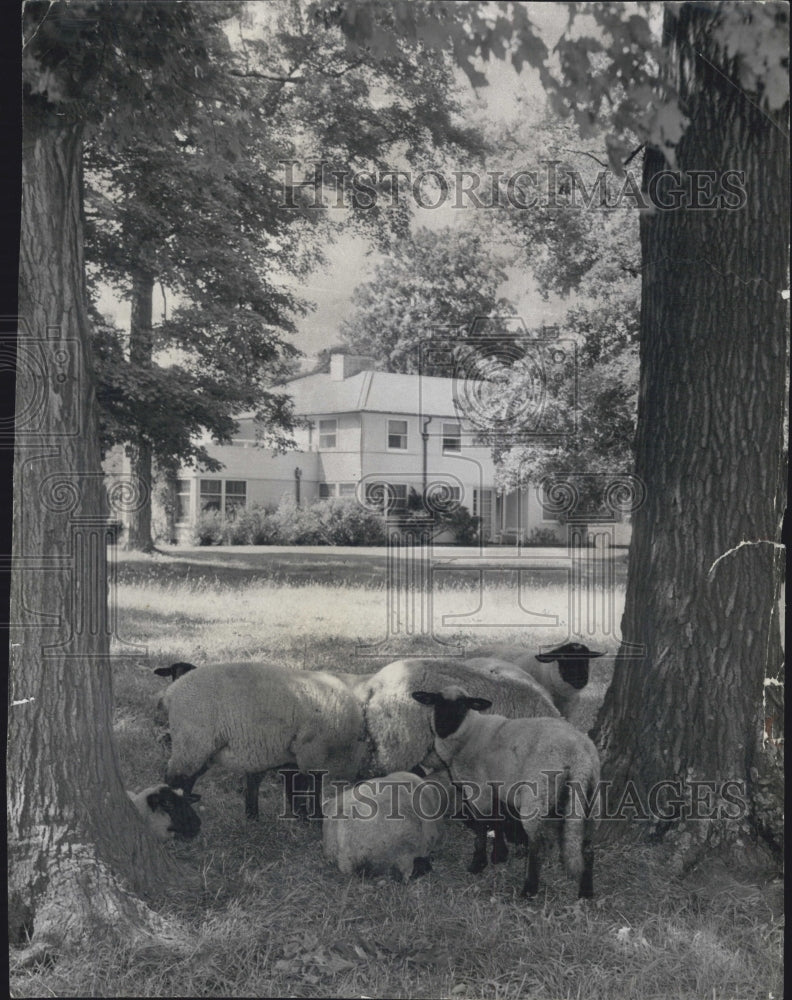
column 426, row 697
column 191, row 797
column 175, row 670
column 477, row 704
column 546, row 657
column 590, row 654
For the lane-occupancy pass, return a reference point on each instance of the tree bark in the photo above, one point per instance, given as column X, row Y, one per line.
column 710, row 448
column 139, row 452
column 76, row 847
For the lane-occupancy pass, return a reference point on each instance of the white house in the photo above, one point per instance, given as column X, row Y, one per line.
column 365, row 428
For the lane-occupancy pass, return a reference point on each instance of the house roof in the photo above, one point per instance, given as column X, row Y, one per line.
column 383, row 392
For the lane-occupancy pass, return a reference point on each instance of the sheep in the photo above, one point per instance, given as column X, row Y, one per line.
column 384, row 826
column 504, row 769
column 563, row 671
column 167, row 813
column 255, row 717
column 399, row 730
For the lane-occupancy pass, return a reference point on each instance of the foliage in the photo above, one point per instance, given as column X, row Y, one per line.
column 611, row 68
column 542, row 536
column 195, row 196
column 432, row 286
column 209, row 528
column 346, row 522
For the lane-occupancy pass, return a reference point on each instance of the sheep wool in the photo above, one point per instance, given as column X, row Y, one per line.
column 255, row 717
column 385, row 825
column 400, row 730
column 562, row 672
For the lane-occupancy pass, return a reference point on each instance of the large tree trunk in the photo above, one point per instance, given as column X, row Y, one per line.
column 710, row 449
column 139, row 454
column 76, row 846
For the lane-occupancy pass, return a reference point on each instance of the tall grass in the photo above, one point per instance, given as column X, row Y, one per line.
column 276, row 920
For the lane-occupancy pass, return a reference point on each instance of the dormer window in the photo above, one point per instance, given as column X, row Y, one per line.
column 397, row 435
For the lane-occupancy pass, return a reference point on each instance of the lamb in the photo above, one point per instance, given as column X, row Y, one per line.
column 399, row 730
column 508, row 771
column 254, row 717
column 166, row 812
column 385, row 826
column 563, row 671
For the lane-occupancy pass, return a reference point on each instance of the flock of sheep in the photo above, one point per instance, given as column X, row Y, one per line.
column 400, row 749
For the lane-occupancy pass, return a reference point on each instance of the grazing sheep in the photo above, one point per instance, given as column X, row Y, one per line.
column 563, row 671
column 168, row 813
column 254, row 718
column 518, row 774
column 399, row 730
column 385, row 826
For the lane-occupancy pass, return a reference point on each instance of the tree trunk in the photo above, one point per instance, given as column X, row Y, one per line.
column 710, row 448
column 76, row 846
column 139, row 454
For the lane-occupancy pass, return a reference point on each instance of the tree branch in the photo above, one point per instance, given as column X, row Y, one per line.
column 255, row 75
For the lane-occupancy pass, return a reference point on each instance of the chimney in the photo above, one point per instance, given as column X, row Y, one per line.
column 346, row 365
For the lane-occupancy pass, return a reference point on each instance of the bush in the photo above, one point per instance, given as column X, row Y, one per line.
column 543, row 536
column 345, row 522
column 251, row 526
column 297, row 525
column 209, row 528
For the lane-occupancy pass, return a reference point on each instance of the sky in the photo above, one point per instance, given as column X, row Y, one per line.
column 351, row 260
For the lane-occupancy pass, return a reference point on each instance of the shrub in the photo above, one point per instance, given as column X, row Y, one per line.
column 345, row 522
column 209, row 528
column 251, row 526
column 297, row 525
column 463, row 524
column 542, row 536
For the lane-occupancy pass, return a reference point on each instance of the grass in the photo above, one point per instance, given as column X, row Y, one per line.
column 275, row 920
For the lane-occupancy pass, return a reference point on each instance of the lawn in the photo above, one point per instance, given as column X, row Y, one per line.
column 271, row 918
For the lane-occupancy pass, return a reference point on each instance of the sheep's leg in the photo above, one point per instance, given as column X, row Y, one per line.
column 500, row 852
column 531, row 886
column 479, row 861
column 252, row 784
column 586, row 888
column 421, row 866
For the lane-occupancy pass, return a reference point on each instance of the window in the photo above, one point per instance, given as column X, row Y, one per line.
column 211, row 494
column 183, row 500
column 397, row 434
column 327, row 433
column 394, row 495
column 224, row 495
column 397, row 496
column 347, row 489
column 452, row 439
column 235, row 496
column 327, row 490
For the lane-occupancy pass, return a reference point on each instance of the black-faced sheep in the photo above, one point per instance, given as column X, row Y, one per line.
column 520, row 774
column 563, row 672
column 254, row 718
column 385, row 825
column 167, row 813
column 400, row 732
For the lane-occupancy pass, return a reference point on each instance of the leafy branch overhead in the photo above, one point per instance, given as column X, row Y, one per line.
column 608, row 68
